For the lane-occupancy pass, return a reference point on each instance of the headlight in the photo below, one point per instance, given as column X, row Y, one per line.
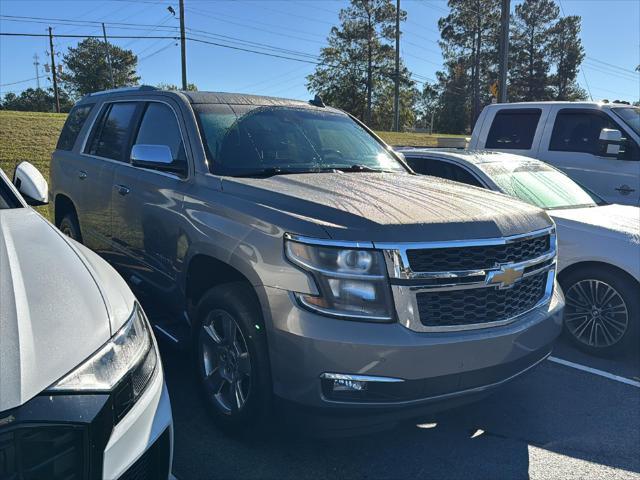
column 352, row 282
column 124, row 365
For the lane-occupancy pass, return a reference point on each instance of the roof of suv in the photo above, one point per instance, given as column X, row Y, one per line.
column 201, row 97
column 239, row 99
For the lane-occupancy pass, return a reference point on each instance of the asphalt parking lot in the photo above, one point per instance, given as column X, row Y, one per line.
column 555, row 422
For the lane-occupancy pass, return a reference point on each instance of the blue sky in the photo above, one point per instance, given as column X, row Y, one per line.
column 610, row 34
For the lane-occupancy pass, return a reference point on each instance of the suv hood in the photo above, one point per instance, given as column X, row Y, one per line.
column 59, row 303
column 389, row 207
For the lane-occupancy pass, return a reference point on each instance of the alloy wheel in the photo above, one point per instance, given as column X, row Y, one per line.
column 226, row 362
column 595, row 313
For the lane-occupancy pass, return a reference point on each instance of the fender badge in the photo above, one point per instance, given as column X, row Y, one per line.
column 6, row 420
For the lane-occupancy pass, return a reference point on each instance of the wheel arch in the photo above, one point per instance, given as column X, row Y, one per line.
column 205, row 270
column 63, row 205
column 583, row 265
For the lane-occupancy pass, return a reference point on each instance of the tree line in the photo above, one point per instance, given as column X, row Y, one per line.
column 356, row 70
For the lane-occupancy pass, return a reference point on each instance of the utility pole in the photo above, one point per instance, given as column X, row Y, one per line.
column 396, row 94
column 183, row 47
column 504, row 51
column 54, row 72
column 36, row 63
column 106, row 48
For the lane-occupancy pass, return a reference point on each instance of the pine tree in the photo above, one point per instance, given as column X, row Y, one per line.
column 530, row 62
column 567, row 53
column 357, row 66
column 469, row 41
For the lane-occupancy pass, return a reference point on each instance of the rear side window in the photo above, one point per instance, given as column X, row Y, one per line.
column 437, row 168
column 111, row 134
column 72, row 126
column 513, row 129
column 159, row 126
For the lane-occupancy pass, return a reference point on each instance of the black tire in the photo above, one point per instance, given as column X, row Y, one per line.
column 70, row 227
column 234, row 302
column 602, row 312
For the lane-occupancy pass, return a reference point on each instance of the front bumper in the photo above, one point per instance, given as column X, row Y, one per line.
column 76, row 437
column 434, row 366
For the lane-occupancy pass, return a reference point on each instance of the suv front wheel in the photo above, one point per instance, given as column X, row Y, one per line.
column 231, row 355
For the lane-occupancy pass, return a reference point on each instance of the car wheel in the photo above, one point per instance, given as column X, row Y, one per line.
column 69, row 226
column 601, row 311
column 231, row 356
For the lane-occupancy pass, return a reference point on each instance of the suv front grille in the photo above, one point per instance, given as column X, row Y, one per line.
column 452, row 308
column 43, row 452
column 477, row 257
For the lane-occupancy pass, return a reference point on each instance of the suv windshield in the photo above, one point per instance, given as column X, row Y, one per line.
column 249, row 140
column 7, row 198
column 540, row 185
column 630, row 116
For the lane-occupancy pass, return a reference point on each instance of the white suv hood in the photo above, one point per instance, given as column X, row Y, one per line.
column 58, row 304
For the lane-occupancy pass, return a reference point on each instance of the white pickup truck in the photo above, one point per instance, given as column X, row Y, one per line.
column 597, row 144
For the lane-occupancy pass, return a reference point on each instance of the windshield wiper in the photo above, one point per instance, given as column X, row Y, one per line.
column 360, row 168
column 271, row 171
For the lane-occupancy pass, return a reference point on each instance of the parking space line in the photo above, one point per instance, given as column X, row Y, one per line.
column 595, row 371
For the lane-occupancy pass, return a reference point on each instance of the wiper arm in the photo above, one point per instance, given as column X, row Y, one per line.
column 271, row 171
column 359, row 168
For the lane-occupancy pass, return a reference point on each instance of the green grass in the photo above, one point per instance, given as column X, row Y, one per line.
column 412, row 139
column 30, row 136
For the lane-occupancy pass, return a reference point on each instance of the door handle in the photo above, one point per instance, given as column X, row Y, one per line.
column 122, row 189
column 82, row 174
column 625, row 189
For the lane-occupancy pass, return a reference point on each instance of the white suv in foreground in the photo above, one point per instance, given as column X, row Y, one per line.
column 82, row 393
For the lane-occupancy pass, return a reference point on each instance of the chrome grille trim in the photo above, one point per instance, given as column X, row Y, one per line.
column 398, row 263
column 406, row 284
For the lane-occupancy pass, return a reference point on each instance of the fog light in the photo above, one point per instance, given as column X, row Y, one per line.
column 344, row 385
column 351, row 387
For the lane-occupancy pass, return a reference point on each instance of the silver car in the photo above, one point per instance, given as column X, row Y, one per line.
column 82, row 391
column 301, row 258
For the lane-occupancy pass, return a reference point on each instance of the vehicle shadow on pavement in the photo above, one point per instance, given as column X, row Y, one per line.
column 552, row 423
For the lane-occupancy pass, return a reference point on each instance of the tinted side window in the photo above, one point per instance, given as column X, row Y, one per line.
column 437, row 168
column 72, row 126
column 513, row 129
column 112, row 132
column 159, row 126
column 579, row 131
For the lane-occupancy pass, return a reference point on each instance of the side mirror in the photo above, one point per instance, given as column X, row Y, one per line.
column 31, row 184
column 610, row 141
column 401, row 155
column 152, row 156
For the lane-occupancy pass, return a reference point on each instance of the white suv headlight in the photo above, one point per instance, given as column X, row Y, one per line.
column 352, row 282
column 130, row 353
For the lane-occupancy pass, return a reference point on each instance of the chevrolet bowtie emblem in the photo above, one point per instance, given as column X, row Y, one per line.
column 505, row 277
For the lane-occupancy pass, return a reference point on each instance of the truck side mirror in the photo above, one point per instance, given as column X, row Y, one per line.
column 31, row 184
column 610, row 142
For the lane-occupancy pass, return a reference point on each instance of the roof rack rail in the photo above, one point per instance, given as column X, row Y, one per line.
column 137, row 88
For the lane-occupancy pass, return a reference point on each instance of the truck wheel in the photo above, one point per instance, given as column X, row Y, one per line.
column 232, row 362
column 602, row 310
column 69, row 226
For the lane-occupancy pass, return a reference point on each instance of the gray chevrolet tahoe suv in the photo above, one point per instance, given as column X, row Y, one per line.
column 305, row 259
